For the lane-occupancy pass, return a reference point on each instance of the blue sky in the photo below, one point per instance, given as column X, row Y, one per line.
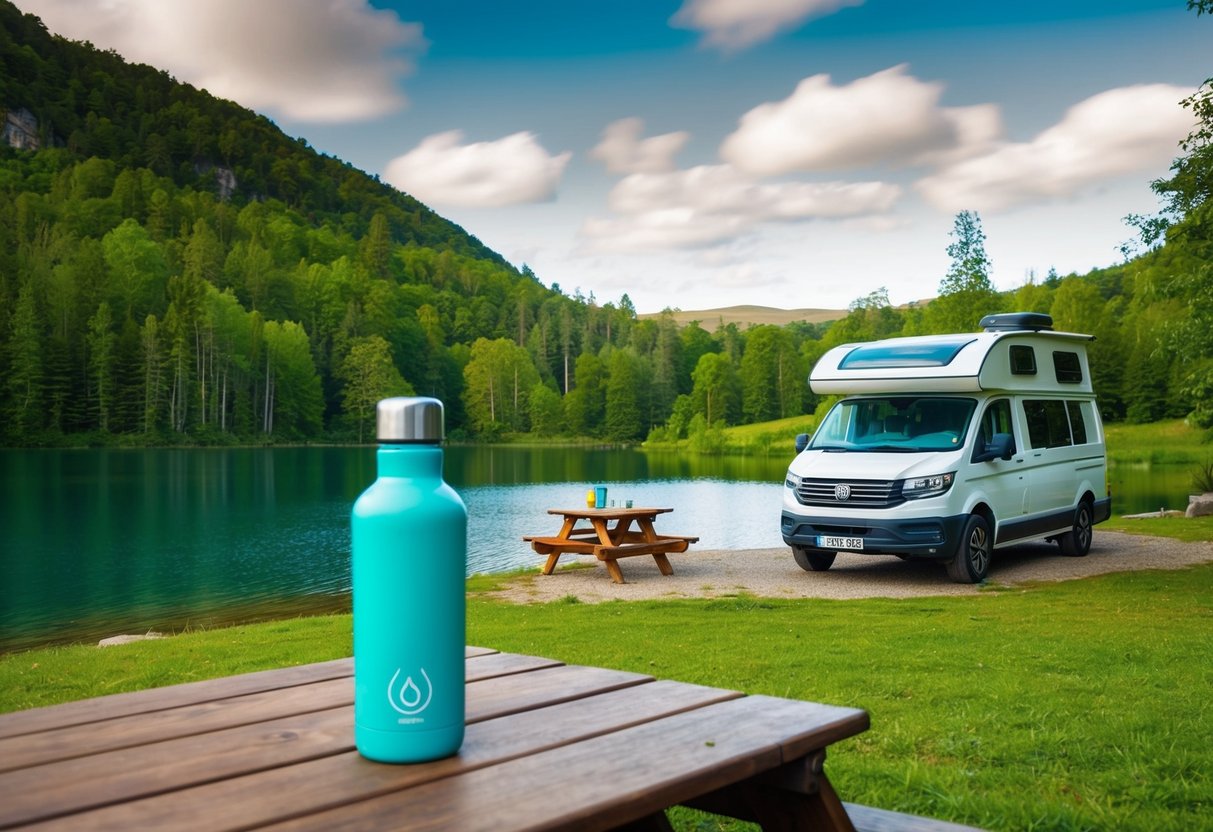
column 705, row 153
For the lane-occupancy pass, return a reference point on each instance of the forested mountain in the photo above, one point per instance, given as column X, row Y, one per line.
column 173, row 264
column 175, row 269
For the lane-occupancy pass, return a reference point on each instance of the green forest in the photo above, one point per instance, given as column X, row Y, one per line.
column 176, row 270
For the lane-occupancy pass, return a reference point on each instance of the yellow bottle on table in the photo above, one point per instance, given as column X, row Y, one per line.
column 589, row 498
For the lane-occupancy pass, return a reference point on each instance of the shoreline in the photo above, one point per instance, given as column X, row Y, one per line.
column 715, row 573
column 771, row 573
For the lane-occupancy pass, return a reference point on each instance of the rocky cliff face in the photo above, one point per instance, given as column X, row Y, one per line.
column 225, row 179
column 20, row 130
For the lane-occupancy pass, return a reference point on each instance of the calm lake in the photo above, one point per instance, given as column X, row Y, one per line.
column 99, row 542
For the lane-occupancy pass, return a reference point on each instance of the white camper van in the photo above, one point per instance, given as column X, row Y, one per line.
column 951, row 446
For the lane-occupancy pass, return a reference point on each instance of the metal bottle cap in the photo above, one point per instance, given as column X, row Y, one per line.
column 409, row 419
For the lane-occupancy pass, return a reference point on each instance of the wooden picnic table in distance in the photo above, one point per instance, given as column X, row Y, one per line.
column 609, row 543
column 548, row 746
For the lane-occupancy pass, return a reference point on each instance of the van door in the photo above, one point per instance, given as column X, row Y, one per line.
column 1050, row 462
column 1003, row 481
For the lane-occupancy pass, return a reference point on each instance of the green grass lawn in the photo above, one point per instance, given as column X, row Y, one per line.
column 1072, row 706
column 779, row 435
column 1191, row 529
column 1159, row 443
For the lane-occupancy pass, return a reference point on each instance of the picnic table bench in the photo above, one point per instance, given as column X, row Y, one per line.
column 548, row 746
column 609, row 543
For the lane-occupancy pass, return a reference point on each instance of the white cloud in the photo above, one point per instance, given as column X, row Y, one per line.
column 710, row 205
column 1129, row 130
column 885, row 118
column 444, row 171
column 736, row 24
column 623, row 151
column 747, row 276
column 311, row 60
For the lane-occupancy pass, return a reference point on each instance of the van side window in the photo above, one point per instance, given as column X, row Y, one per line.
column 996, row 419
column 1048, row 425
column 1067, row 366
column 1023, row 360
column 1078, row 422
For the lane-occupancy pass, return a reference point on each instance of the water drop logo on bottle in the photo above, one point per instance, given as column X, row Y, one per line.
column 409, row 532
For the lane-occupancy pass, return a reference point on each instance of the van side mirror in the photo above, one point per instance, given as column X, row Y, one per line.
column 802, row 442
column 1002, row 446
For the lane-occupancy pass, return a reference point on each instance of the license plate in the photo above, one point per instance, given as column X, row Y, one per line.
column 831, row 542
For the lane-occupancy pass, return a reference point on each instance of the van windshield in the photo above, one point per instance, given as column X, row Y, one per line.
column 905, row 424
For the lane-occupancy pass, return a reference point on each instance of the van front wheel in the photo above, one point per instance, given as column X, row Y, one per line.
column 813, row 560
column 1077, row 541
column 972, row 559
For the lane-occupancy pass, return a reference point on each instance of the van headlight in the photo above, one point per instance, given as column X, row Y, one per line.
column 918, row 487
column 791, row 481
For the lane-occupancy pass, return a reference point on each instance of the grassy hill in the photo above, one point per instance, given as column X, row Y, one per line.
column 746, row 316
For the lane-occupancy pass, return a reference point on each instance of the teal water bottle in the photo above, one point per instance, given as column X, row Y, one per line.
column 409, row 532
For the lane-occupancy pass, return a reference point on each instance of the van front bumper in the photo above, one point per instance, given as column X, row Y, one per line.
column 921, row 537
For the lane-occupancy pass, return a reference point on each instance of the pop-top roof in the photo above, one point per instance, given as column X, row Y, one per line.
column 904, row 352
column 1002, row 359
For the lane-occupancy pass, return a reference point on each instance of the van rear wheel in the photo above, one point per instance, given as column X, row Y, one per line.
column 813, row 560
column 971, row 562
column 1077, row 541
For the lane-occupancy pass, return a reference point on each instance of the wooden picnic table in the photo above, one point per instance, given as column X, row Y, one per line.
column 548, row 746
column 609, row 543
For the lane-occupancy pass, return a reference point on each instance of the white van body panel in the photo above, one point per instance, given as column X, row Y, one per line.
column 981, row 362
column 860, row 476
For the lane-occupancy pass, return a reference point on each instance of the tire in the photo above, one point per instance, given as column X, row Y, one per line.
column 1077, row 541
column 971, row 562
column 813, row 560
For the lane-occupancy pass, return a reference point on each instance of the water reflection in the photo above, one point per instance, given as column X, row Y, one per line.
column 95, row 542
column 102, row 540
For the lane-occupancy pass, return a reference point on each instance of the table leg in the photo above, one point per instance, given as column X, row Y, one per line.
column 606, row 538
column 614, row 571
column 650, row 535
column 619, row 534
column 566, row 531
column 792, row 797
column 646, row 528
column 604, row 534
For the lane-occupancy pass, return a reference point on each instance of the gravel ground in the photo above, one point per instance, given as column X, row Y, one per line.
column 771, row 573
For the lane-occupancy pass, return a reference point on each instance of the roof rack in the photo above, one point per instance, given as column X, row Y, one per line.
column 1017, row 321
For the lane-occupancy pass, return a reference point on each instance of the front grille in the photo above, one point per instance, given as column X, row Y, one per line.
column 863, row 493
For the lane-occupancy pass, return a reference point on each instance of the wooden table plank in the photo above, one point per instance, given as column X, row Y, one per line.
column 667, row 762
column 504, row 664
column 144, row 770
column 616, row 513
column 164, row 698
column 287, row 791
column 175, row 696
column 125, row 732
column 621, row 747
column 156, row 723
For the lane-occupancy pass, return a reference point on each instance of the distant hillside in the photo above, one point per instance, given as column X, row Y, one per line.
column 174, row 268
column 745, row 316
column 57, row 94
